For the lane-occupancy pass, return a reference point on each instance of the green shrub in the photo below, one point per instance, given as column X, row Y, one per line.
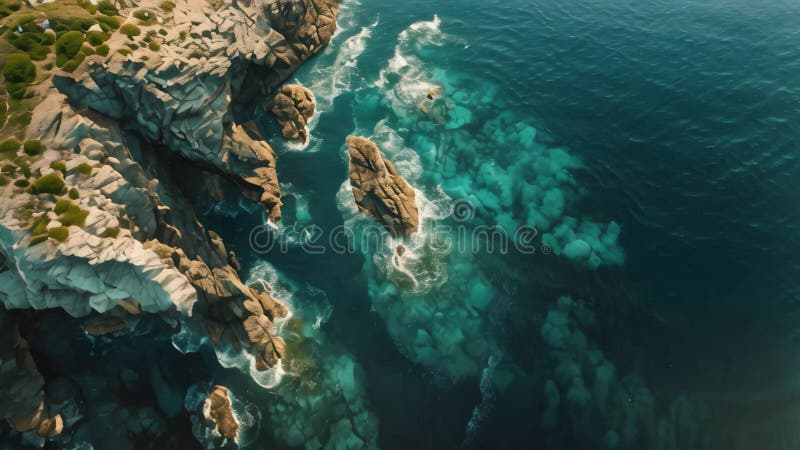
column 84, row 169
column 108, row 24
column 18, row 72
column 154, row 46
column 146, row 17
column 24, row 165
column 97, row 37
column 167, row 6
column 62, row 206
column 33, row 147
column 123, row 51
column 52, row 183
column 70, row 213
column 107, row 8
column 38, row 239
column 9, row 169
column 8, row 7
column 130, row 30
column 58, row 233
column 10, row 145
column 62, row 25
column 162, row 32
column 67, row 46
column 87, row 5
column 59, row 166
column 111, row 232
column 4, row 180
column 73, row 194
column 102, row 50
column 22, row 183
column 40, row 225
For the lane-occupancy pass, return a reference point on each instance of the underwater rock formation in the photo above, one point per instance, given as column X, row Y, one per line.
column 379, row 190
column 293, row 107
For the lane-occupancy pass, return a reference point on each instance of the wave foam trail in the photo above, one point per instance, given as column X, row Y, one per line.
column 335, row 72
column 322, row 402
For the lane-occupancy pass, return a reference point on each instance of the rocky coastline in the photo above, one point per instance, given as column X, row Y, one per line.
column 93, row 223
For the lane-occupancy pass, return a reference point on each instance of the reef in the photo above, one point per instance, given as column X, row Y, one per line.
column 112, row 111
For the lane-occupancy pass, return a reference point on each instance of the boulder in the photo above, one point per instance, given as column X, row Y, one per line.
column 293, row 107
column 218, row 413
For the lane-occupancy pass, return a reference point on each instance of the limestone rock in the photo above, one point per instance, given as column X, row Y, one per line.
column 293, row 107
column 379, row 190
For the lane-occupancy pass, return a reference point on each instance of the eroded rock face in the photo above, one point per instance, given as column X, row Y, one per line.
column 379, row 190
column 138, row 247
column 293, row 107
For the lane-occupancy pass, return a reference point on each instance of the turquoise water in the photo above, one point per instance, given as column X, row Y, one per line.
column 650, row 146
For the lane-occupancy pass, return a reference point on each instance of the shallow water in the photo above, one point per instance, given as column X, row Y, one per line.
column 652, row 146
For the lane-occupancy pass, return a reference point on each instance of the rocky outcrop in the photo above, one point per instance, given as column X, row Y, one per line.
column 100, row 223
column 379, row 190
column 218, row 413
column 293, row 107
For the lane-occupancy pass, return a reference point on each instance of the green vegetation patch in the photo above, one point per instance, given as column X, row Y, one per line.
column 24, row 166
column 145, row 16
column 74, row 194
column 4, row 180
column 18, row 72
column 33, row 147
column 154, row 46
column 167, row 6
column 22, row 183
column 58, row 233
column 52, row 183
column 83, row 169
column 130, row 30
column 108, row 24
column 59, row 166
column 97, row 37
column 111, row 232
column 70, row 213
column 10, row 145
column 8, row 7
column 107, row 8
column 67, row 47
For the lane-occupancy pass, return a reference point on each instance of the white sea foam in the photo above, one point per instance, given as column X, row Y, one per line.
column 334, row 74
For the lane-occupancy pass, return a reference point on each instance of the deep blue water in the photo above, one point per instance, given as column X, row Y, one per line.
column 676, row 120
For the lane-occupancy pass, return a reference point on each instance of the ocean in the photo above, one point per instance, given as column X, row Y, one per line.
column 649, row 147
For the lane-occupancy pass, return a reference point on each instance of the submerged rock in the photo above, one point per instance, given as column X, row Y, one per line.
column 379, row 190
column 293, row 107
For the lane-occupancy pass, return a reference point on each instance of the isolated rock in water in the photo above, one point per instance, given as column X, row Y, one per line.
column 293, row 107
column 379, row 190
column 218, row 410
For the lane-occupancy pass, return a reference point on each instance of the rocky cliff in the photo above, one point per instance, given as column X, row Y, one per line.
column 91, row 219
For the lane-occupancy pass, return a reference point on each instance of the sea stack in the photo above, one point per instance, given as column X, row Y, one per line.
column 379, row 190
column 293, row 107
